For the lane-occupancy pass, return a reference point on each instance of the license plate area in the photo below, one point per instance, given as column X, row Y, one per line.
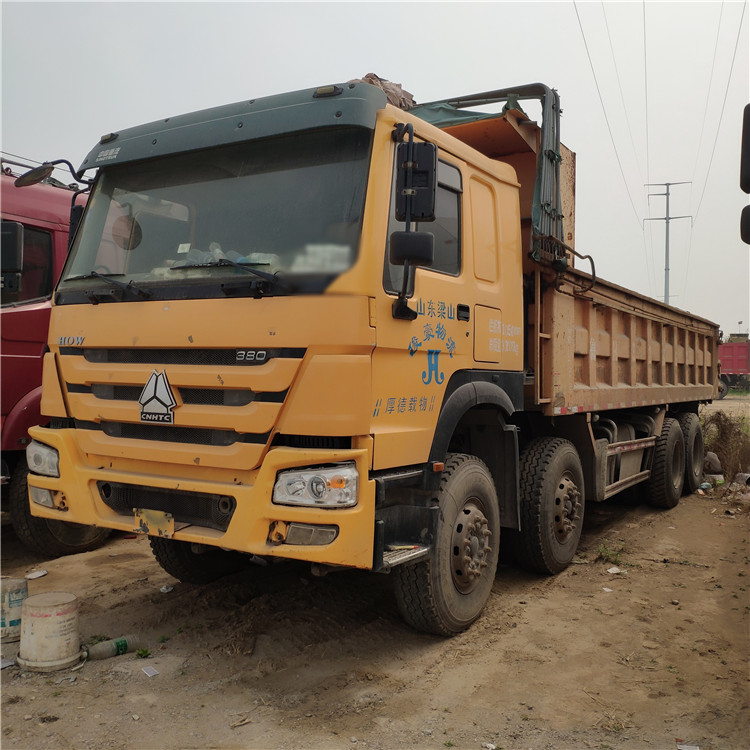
column 154, row 523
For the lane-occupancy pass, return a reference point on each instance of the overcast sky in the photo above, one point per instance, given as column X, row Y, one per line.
column 663, row 103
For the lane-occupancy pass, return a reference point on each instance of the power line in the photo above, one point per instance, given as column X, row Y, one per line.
column 611, row 136
column 723, row 106
column 700, row 139
column 604, row 110
column 649, row 261
column 619, row 86
column 26, row 160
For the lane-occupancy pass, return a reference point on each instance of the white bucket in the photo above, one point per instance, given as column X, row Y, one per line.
column 49, row 632
column 14, row 591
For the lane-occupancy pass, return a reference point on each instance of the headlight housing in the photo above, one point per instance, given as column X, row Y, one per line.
column 325, row 487
column 42, row 459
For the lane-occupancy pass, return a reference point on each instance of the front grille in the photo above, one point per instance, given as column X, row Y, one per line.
column 194, row 396
column 197, row 396
column 313, row 442
column 201, row 357
column 198, row 508
column 172, row 434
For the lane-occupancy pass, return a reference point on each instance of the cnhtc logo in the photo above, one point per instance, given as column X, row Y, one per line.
column 157, row 399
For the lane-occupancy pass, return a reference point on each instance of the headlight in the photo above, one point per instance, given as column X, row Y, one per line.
column 42, row 459
column 331, row 487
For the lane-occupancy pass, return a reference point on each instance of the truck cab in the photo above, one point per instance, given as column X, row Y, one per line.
column 35, row 225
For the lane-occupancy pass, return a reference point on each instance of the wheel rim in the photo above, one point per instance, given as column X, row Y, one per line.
column 470, row 547
column 567, row 508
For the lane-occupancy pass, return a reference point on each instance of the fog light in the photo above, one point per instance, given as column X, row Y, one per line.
column 305, row 533
column 41, row 497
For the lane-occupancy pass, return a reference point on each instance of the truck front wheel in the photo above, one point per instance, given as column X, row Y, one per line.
column 668, row 468
column 447, row 592
column 194, row 563
column 552, row 504
column 43, row 535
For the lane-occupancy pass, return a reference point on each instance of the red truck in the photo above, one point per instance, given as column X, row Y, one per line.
column 735, row 363
column 35, row 227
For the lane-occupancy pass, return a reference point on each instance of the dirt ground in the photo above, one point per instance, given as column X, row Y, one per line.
column 653, row 656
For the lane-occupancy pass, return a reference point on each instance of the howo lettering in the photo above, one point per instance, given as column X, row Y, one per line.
column 438, row 377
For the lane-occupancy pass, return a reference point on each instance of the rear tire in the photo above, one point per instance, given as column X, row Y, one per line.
column 194, row 563
column 668, row 469
column 45, row 536
column 447, row 592
column 552, row 505
column 723, row 388
column 693, row 436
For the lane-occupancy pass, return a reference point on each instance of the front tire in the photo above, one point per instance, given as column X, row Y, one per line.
column 46, row 536
column 668, row 468
column 194, row 563
column 552, row 505
column 447, row 593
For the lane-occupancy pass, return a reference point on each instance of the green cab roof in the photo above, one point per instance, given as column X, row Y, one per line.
column 344, row 104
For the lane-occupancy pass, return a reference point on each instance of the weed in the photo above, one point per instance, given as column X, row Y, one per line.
column 143, row 653
column 163, row 638
column 609, row 555
column 729, row 438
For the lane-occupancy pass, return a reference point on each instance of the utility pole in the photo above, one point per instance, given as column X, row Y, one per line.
column 666, row 218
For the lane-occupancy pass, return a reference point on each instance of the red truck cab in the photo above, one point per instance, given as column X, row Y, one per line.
column 37, row 218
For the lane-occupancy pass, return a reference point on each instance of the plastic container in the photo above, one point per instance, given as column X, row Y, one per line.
column 14, row 592
column 113, row 647
column 49, row 632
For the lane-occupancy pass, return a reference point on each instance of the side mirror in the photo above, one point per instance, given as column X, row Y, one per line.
column 11, row 256
column 745, row 224
column 745, row 174
column 36, row 175
column 76, row 213
column 416, row 179
column 412, row 248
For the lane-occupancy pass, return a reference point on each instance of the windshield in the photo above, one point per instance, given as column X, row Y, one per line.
column 287, row 209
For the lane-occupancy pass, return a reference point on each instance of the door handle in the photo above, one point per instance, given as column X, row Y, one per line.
column 463, row 312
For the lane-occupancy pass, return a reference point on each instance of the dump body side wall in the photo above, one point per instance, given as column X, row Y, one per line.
column 608, row 348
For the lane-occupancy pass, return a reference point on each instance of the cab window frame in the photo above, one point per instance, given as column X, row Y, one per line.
column 449, row 186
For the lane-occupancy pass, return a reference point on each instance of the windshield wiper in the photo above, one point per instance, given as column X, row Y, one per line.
column 95, row 295
column 271, row 278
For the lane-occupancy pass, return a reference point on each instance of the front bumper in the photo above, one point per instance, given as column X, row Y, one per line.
column 256, row 525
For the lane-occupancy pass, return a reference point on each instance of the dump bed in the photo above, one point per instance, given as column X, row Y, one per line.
column 594, row 346
column 590, row 345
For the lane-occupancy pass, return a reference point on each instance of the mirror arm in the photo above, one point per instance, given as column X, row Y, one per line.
column 401, row 309
column 43, row 171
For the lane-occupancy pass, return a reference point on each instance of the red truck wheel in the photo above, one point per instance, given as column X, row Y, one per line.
column 723, row 388
column 447, row 592
column 47, row 537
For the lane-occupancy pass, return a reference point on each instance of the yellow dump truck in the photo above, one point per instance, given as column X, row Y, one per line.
column 315, row 326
